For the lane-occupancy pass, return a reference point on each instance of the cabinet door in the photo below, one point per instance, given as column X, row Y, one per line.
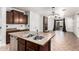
column 16, row 17
column 9, row 19
column 31, row 46
column 21, row 18
column 46, row 47
column 25, row 19
column 21, row 45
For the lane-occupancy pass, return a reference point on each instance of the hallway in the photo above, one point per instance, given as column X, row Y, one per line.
column 64, row 42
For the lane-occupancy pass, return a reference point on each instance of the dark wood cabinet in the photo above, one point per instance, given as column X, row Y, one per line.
column 16, row 17
column 9, row 16
column 46, row 47
column 24, row 45
column 25, row 19
column 21, row 18
column 21, row 45
column 31, row 46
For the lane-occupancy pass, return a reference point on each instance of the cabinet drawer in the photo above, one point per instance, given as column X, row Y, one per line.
column 32, row 46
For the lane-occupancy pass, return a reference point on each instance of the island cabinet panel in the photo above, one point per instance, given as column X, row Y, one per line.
column 24, row 45
column 21, row 44
column 46, row 47
column 21, row 47
column 31, row 46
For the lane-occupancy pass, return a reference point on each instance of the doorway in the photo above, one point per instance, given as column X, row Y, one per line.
column 45, row 24
column 59, row 25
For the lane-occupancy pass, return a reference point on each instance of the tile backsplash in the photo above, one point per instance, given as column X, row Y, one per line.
column 17, row 26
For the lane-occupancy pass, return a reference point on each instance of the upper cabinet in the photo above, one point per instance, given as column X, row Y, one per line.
column 21, row 18
column 25, row 19
column 16, row 17
column 9, row 19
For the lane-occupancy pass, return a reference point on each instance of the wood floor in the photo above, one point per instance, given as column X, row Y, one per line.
column 61, row 42
column 64, row 42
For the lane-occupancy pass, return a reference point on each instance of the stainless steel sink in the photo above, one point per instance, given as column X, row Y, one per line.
column 38, row 37
column 35, row 37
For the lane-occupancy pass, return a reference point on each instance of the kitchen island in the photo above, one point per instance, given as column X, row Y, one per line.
column 31, row 41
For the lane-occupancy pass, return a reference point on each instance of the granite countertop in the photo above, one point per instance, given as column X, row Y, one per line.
column 24, row 34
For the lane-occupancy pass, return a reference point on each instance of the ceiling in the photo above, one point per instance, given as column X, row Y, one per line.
column 46, row 11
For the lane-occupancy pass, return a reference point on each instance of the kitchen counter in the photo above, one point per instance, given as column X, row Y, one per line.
column 11, row 30
column 24, row 34
column 17, row 29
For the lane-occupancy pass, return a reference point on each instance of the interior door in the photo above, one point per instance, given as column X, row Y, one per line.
column 45, row 23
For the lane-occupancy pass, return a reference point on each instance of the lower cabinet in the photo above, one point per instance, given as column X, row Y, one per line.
column 24, row 45
column 31, row 46
column 7, row 38
column 21, row 47
column 21, row 44
column 46, row 47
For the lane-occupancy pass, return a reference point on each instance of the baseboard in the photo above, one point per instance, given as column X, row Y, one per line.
column 76, row 35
